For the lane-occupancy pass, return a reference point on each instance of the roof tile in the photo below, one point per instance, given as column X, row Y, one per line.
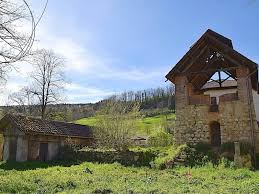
column 35, row 125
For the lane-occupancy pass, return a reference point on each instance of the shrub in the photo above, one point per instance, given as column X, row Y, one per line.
column 245, row 148
column 115, row 122
column 160, row 139
column 166, row 158
column 200, row 155
column 227, row 147
column 126, row 157
column 69, row 152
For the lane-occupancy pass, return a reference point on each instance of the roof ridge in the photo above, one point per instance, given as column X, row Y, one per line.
column 29, row 124
column 47, row 120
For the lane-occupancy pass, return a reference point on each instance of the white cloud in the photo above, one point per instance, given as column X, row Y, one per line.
column 77, row 93
column 8, row 88
column 79, row 61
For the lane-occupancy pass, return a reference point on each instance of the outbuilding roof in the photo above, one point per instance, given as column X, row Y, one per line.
column 46, row 127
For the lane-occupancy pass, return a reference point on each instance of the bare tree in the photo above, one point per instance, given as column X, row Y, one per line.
column 48, row 78
column 24, row 100
column 15, row 43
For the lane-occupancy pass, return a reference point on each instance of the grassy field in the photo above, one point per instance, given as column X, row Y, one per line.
column 39, row 178
column 145, row 125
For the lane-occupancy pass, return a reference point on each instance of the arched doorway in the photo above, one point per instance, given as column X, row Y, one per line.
column 215, row 135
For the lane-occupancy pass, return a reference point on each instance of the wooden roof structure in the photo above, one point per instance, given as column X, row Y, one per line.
column 210, row 54
column 212, row 85
column 30, row 125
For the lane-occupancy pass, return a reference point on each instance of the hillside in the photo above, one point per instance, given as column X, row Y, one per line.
column 146, row 125
column 148, row 99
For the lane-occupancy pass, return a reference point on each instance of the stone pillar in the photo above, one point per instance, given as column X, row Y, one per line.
column 242, row 83
column 181, row 92
column 244, row 87
column 6, row 148
column 181, row 102
column 22, row 149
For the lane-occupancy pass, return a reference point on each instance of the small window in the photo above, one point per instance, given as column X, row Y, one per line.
column 213, row 100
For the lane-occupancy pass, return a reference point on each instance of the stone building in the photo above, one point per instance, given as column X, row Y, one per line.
column 216, row 94
column 27, row 138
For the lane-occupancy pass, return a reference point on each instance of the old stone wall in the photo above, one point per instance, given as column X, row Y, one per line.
column 22, row 149
column 33, row 150
column 54, row 145
column 193, row 123
column 1, row 146
column 236, row 117
column 6, row 148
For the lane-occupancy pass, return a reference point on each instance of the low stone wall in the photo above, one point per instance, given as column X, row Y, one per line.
column 127, row 158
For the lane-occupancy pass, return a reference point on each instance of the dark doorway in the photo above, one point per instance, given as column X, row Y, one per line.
column 12, row 148
column 43, row 151
column 215, row 134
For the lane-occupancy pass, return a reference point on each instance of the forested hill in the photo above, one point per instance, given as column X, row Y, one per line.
column 149, row 98
column 154, row 98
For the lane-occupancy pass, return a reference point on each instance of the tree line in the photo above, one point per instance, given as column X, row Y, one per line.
column 153, row 98
column 148, row 99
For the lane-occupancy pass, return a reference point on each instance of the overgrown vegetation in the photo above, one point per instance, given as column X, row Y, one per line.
column 115, row 178
column 160, row 138
column 148, row 123
column 115, row 122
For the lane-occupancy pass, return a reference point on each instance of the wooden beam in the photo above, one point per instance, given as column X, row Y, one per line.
column 230, row 75
column 225, row 79
column 195, row 58
column 220, row 83
column 209, row 70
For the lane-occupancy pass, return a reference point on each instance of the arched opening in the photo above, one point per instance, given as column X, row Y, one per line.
column 215, row 135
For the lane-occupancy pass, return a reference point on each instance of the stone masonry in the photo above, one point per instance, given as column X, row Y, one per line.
column 236, row 117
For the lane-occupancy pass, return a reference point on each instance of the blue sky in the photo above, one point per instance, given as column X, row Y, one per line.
column 117, row 45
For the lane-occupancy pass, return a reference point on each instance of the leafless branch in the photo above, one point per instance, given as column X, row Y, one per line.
column 14, row 43
column 48, row 78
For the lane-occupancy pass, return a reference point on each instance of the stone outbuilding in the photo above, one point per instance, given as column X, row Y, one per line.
column 27, row 138
column 216, row 91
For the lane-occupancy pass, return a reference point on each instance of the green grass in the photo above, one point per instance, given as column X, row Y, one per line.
column 39, row 178
column 149, row 124
column 91, row 121
column 145, row 125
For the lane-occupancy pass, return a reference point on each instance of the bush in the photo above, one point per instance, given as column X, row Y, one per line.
column 160, row 139
column 166, row 158
column 155, row 112
column 69, row 152
column 115, row 122
column 203, row 153
column 245, row 148
column 200, row 155
column 126, row 157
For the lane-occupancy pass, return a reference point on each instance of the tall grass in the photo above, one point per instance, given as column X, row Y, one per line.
column 101, row 178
